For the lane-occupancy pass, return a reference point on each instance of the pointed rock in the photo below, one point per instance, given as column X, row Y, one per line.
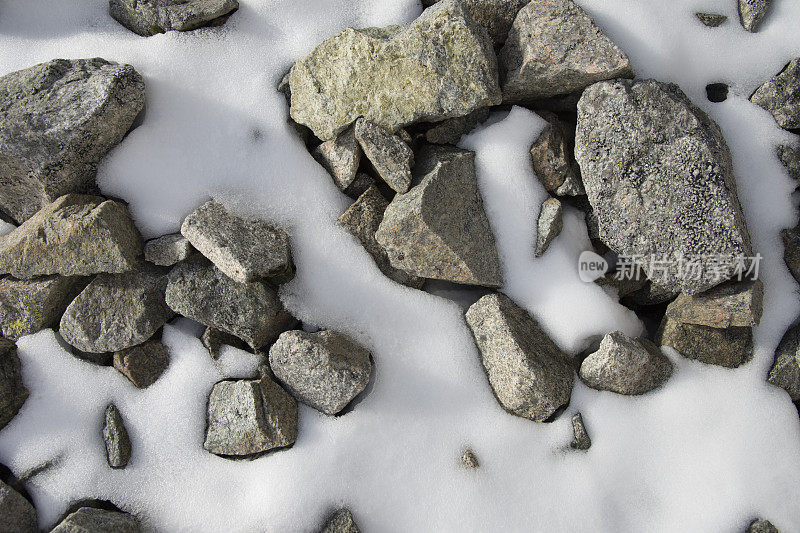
column 340, row 157
column 781, row 96
column 213, row 339
column 580, row 439
column 552, row 158
column 91, row 520
column 728, row 347
column 159, row 16
column 341, row 522
column 469, row 460
column 789, row 155
column 730, row 304
column 761, row 526
column 391, row 157
column 712, row 20
column 549, row 225
column 12, row 391
column 118, row 444
column 17, row 515
column 751, row 12
column 167, row 250
column 785, row 371
column 142, row 364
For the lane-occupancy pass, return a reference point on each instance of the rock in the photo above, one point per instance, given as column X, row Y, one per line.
column 118, row 444
column 659, row 177
column 250, row 311
column 781, row 96
column 213, row 339
column 57, row 121
column 552, row 158
column 16, row 513
column 142, row 364
column 248, row 417
column 91, row 520
column 751, row 12
column 12, row 390
column 469, row 459
column 439, row 229
column 76, row 235
column 360, row 185
column 549, row 225
column 785, row 371
column 789, row 155
column 439, row 66
column 450, row 131
column 625, row 365
column 325, row 370
column 650, row 294
column 391, row 157
column 340, row 157
column 245, row 250
column 730, row 304
column 150, row 17
column 712, row 20
column 115, row 312
column 341, row 522
column 28, row 306
column 580, row 439
column 529, row 374
column 555, row 48
column 761, row 526
column 791, row 250
column 621, row 287
column 728, row 347
column 362, row 219
column 167, row 250
column 496, row 16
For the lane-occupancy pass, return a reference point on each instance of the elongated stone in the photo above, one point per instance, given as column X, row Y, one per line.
column 580, row 439
column 791, row 250
column 785, row 371
column 115, row 436
column 712, row 20
column 549, row 225
column 28, row 306
column 551, row 155
column 150, row 17
column 391, row 157
column 728, row 347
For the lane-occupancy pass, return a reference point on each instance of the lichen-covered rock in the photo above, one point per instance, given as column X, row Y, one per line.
column 529, row 374
column 469, row 459
column 245, row 250
column 549, row 225
column 91, row 520
column 76, row 235
column 12, row 391
column 325, row 370
column 789, row 155
column 115, row 436
column 213, row 339
column 791, row 250
column 389, row 155
column 555, row 48
column 17, row 515
column 712, row 20
column 167, row 250
column 580, row 438
column 150, row 17
column 57, row 121
column 248, row 417
column 340, row 157
column 780, row 95
column 28, row 306
column 449, row 131
column 341, row 522
column 439, row 229
column 730, row 304
column 142, row 364
column 440, row 66
column 552, row 158
column 785, row 371
column 751, row 12
column 625, row 365
column 659, row 178
column 728, row 347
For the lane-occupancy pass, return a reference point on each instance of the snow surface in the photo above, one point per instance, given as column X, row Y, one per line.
column 710, row 451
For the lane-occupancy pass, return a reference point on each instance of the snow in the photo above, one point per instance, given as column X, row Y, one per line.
column 710, row 451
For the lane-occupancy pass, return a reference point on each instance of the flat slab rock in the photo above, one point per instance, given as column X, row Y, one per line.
column 341, row 522
column 158, row 16
column 389, row 155
column 115, row 437
column 28, row 306
column 167, row 250
column 16, row 513
column 12, row 390
column 439, row 66
column 659, row 178
column 91, row 520
column 780, row 95
column 142, row 364
column 785, row 371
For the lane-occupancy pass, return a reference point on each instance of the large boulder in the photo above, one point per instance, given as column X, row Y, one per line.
column 12, row 391
column 17, row 515
column 149, row 17
column 780, row 95
column 92, row 520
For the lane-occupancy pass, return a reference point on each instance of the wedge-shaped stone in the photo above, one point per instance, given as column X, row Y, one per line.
column 712, row 20
column 391, row 157
column 340, row 157
column 213, row 339
column 781, row 96
column 785, row 371
column 142, row 364
column 167, row 250
column 149, row 17
column 115, row 436
column 751, row 13
column 549, row 225
column 12, row 391
column 728, row 347
column 580, row 437
column 341, row 522
column 91, row 520
column 730, row 304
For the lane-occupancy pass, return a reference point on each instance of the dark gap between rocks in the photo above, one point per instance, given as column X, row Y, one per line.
column 717, row 92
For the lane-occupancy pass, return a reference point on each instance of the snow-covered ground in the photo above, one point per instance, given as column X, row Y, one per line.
column 709, row 451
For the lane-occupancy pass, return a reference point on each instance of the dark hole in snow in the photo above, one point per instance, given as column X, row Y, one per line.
column 717, row 92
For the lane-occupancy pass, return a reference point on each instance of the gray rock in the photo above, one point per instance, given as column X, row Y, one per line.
column 248, row 417
column 167, row 250
column 439, row 229
column 780, row 95
column 659, row 177
column 440, row 66
column 115, row 436
column 142, row 364
column 469, row 459
column 549, row 225
column 360, row 185
column 496, row 16
column 341, row 522
column 389, row 155
column 580, row 438
column 17, row 515
column 552, row 158
column 555, row 48
column 751, row 12
column 28, row 306
column 625, row 365
column 620, row 287
column 712, row 20
column 791, row 250
column 213, row 339
column 150, row 17
column 761, row 526
column 362, row 219
column 91, row 520
column 250, row 311
column 789, row 155
column 730, row 304
column 450, row 131
column 530, row 375
column 57, row 121
column 785, row 371
column 245, row 250
column 12, row 391
column 650, row 294
column 76, row 235
column 728, row 347
column 115, row 312
column 340, row 157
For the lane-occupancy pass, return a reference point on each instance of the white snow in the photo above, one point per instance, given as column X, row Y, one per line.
column 710, row 451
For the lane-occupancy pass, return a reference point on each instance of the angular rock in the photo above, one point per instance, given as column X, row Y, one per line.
column 781, row 96
column 115, row 312
column 250, row 311
column 91, row 520
column 791, row 250
column 440, row 66
column 659, row 177
column 142, row 364
column 730, row 304
column 340, row 157
column 341, row 522
column 17, row 515
column 12, row 391
column 360, row 185
column 57, row 121
column 77, row 235
column 213, row 339
column 549, row 225
column 580, row 439
column 167, row 250
column 712, row 20
column 785, row 371
column 115, row 436
column 248, row 417
column 751, row 12
column 150, row 17
column 391, row 157
column 469, row 459
column 728, row 347
column 552, row 158
column 494, row 15
column 439, row 229
column 450, row 131
column 529, row 374
column 761, row 526
column 650, row 294
column 555, row 48
column 625, row 365
column 789, row 155
column 245, row 250
column 325, row 370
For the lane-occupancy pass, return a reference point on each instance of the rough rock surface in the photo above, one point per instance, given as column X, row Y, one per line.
column 785, row 371
column 580, row 438
column 730, row 304
column 650, row 294
column 150, row 17
column 780, row 95
column 555, row 48
column 76, row 235
column 440, row 66
column 340, row 157
column 549, row 225
column 17, row 515
column 91, row 520
column 761, row 526
column 325, row 370
column 712, row 20
column 360, row 185
column 213, row 339
column 789, row 155
column 439, row 229
column 450, row 131
column 57, row 121
column 115, row 312
column 115, row 436
column 142, row 364
column 248, row 417
column 341, row 522
column 529, row 374
column 469, row 459
column 791, row 250
column 659, row 177
column 12, row 391
column 167, row 250
column 245, row 250
column 28, row 306
column 728, row 347
column 552, row 158
column 751, row 12
column 391, row 157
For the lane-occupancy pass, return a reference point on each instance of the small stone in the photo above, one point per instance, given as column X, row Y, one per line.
column 77, row 235
column 151, row 17
column 115, row 312
column 580, row 439
column 469, row 459
column 625, row 365
column 17, row 515
column 781, row 96
column 12, row 390
column 391, row 157
column 341, row 522
column 118, row 444
column 28, row 306
column 439, row 229
column 245, row 250
column 248, row 417
column 552, row 158
column 213, row 339
column 555, row 48
column 785, row 371
column 91, row 520
column 360, row 185
column 142, row 364
column 530, row 375
column 761, row 526
column 730, row 304
column 549, row 225
column 712, row 20
column 728, row 347
column 789, row 155
column 325, row 370
column 167, row 250
column 751, row 12
column 340, row 157
column 791, row 250
column 450, row 131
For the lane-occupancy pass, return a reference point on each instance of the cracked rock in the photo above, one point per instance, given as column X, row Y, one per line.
column 751, row 12
column 341, row 522
column 150, row 17
column 118, row 444
column 551, row 155
column 142, row 364
column 781, row 96
column 167, row 250
column 17, row 515
column 580, row 439
column 389, row 155
column 785, row 371
column 12, row 391
column 340, row 157
column 549, row 225
column 712, row 20
column 91, row 520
